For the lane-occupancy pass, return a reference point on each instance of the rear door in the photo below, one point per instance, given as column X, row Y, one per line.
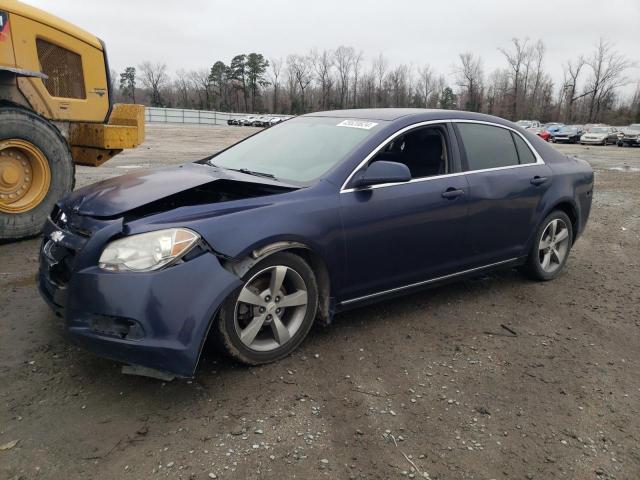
column 507, row 180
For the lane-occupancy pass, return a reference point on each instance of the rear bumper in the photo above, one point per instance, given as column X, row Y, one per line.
column 159, row 320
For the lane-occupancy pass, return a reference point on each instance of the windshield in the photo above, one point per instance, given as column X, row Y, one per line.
column 298, row 150
column 524, row 123
column 599, row 130
column 568, row 129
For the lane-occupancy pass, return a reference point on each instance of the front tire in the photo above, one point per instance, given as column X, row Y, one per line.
column 551, row 247
column 36, row 170
column 270, row 315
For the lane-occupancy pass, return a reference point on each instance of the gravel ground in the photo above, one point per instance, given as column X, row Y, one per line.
column 425, row 386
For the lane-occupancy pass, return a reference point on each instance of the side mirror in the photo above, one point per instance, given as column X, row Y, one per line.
column 381, row 171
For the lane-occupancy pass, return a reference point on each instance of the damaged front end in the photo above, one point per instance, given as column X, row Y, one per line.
column 153, row 319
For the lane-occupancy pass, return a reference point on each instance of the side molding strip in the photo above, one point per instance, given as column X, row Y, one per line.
column 425, row 282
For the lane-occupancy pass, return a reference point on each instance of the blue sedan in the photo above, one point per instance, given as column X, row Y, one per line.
column 319, row 214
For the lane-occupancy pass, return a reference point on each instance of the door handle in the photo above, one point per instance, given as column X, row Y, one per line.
column 452, row 193
column 537, row 180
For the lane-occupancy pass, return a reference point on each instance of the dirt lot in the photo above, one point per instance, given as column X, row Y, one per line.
column 429, row 385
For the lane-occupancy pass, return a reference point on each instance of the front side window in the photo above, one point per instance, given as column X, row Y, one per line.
column 298, row 150
column 487, row 146
column 423, row 150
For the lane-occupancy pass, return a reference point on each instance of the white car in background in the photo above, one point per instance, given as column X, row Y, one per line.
column 600, row 135
column 527, row 124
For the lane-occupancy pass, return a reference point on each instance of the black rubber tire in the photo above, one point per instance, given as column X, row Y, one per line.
column 224, row 324
column 26, row 125
column 532, row 267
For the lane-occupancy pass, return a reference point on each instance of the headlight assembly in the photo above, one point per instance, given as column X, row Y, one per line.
column 147, row 251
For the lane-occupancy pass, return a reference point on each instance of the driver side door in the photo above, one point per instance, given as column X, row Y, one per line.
column 397, row 235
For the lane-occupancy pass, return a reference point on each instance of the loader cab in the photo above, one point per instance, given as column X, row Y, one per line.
column 62, row 70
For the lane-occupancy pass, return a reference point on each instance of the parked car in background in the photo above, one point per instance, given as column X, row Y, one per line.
column 277, row 120
column 526, row 124
column 588, row 126
column 602, row 135
column 552, row 127
column 261, row 121
column 317, row 215
column 248, row 120
column 541, row 132
column 568, row 134
column 629, row 136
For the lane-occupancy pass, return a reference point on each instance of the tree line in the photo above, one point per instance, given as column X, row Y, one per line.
column 342, row 78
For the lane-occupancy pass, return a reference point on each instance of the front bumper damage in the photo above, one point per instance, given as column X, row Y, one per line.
column 157, row 320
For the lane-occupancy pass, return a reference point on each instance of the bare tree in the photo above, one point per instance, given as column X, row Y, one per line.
column 572, row 71
column 635, row 105
column 154, row 77
column 517, row 58
column 183, row 87
column 469, row 77
column 276, row 68
column 357, row 63
column 398, row 80
column 368, row 86
column 538, row 76
column 299, row 67
column 440, row 84
column 323, row 65
column 344, row 57
column 427, row 83
column 380, row 66
column 202, row 82
column 607, row 73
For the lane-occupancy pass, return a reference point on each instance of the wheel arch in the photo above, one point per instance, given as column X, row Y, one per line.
column 316, row 261
column 569, row 207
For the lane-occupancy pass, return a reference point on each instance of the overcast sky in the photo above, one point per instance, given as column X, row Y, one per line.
column 192, row 34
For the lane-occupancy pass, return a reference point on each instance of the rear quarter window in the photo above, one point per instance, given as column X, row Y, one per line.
column 525, row 155
column 487, row 146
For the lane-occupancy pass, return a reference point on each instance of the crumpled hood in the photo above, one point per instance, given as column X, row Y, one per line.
column 117, row 195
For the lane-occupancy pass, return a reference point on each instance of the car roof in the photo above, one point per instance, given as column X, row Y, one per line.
column 417, row 114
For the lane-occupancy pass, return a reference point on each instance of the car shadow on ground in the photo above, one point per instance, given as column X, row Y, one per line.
column 414, row 307
column 425, row 310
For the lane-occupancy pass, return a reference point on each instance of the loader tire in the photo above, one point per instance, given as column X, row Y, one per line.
column 36, row 170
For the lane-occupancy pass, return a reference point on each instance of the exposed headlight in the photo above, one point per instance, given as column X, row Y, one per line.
column 620, row 135
column 147, row 251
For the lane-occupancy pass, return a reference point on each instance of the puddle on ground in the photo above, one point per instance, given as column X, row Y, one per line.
column 128, row 167
column 626, row 168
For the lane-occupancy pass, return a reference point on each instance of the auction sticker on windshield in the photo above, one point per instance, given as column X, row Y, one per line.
column 357, row 124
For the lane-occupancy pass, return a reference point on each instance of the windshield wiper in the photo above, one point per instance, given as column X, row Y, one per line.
column 253, row 172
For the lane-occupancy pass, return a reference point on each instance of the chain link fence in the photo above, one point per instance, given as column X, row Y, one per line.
column 181, row 115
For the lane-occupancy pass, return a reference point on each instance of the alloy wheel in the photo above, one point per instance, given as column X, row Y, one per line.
column 270, row 308
column 554, row 245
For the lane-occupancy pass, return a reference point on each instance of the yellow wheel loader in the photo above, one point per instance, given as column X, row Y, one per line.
column 56, row 111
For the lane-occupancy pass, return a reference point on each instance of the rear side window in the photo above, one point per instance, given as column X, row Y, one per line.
column 487, row 146
column 524, row 152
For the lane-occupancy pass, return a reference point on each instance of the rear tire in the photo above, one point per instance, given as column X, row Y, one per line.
column 29, row 128
column 278, row 331
column 551, row 247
